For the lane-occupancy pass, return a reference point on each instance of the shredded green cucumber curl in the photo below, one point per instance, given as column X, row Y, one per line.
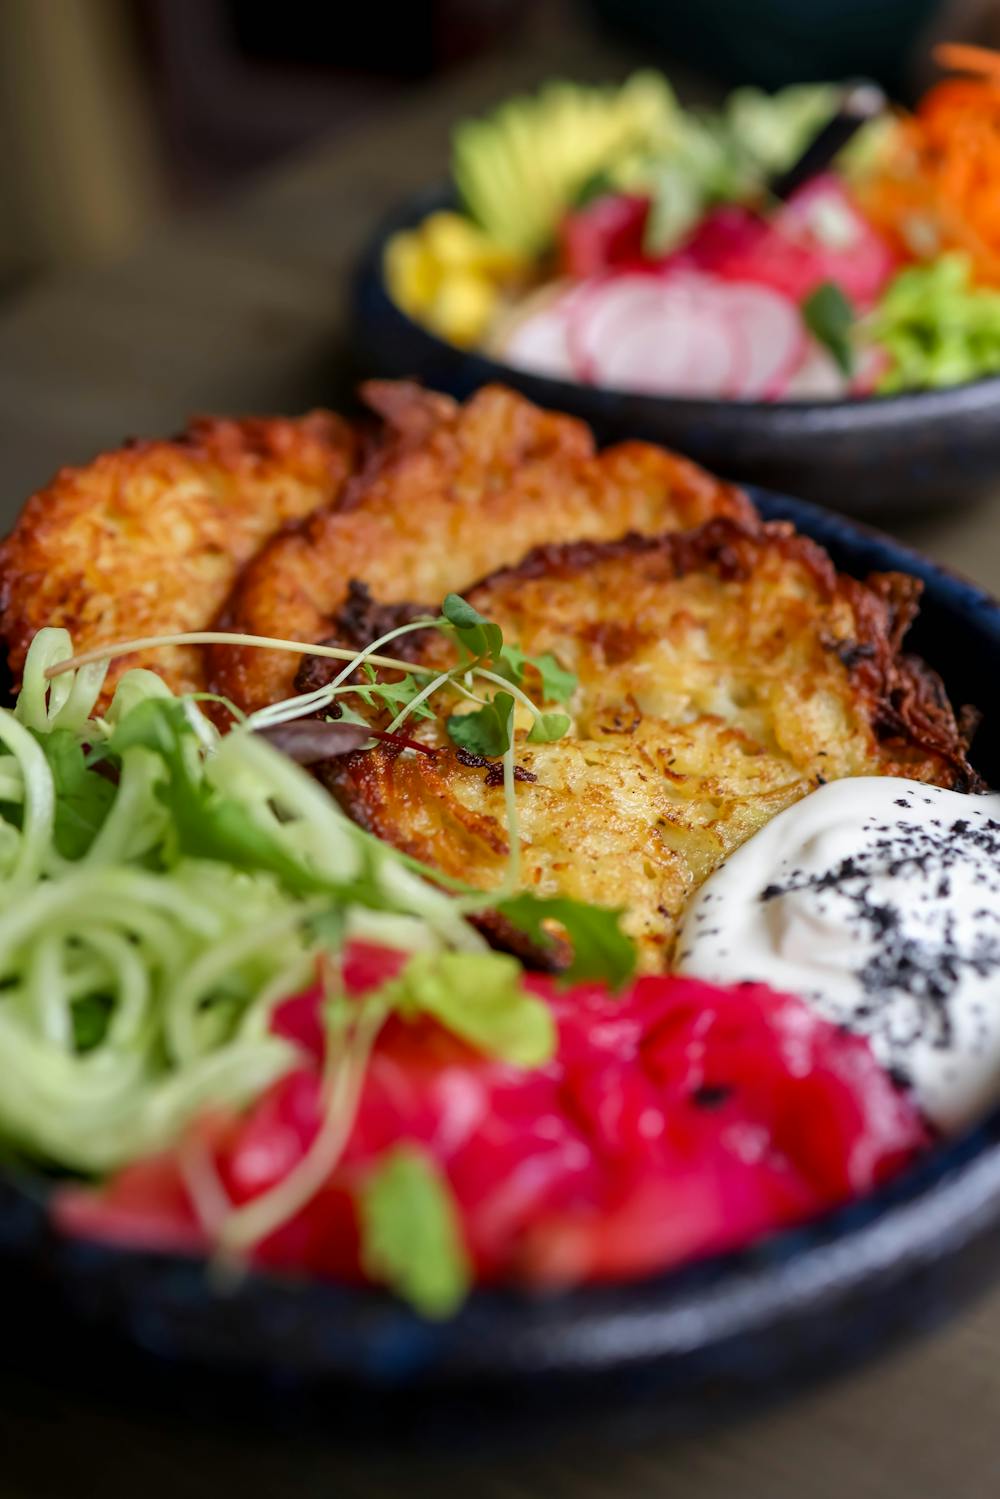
column 166, row 885
column 138, row 965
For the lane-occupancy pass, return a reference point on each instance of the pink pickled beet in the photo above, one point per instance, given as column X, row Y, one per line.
column 606, row 232
column 675, row 1120
column 796, row 249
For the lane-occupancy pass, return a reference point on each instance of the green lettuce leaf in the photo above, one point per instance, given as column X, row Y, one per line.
column 480, row 998
column 829, row 317
column 937, row 327
column 83, row 795
column 411, row 1236
column 204, row 823
column 601, row 950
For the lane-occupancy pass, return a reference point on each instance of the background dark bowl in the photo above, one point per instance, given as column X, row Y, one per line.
column 891, row 455
column 711, row 1338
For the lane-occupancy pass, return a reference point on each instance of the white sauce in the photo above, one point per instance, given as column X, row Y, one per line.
column 877, row 901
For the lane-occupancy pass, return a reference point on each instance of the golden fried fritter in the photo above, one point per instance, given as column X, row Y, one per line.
column 451, row 493
column 147, row 540
column 723, row 673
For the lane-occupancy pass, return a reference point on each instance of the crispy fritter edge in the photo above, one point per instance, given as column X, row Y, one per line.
column 903, row 698
column 411, row 419
column 227, row 443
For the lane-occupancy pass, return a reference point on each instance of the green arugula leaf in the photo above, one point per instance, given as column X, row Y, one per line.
column 479, row 636
column 479, row 997
column 83, row 796
column 829, row 317
column 488, row 730
column 204, row 823
column 411, row 1235
column 558, row 685
column 548, row 727
column 394, row 695
column 365, row 693
column 347, row 714
column 159, row 724
column 601, row 950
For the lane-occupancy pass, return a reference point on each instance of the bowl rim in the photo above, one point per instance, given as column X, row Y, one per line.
column 944, row 1202
column 939, row 402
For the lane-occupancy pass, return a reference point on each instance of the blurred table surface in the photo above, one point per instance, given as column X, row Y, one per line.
column 244, row 309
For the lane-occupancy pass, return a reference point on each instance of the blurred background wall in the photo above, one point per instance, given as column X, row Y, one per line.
column 115, row 113
column 79, row 167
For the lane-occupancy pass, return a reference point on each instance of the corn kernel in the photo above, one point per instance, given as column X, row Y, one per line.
column 456, row 243
column 412, row 274
column 452, row 239
column 463, row 307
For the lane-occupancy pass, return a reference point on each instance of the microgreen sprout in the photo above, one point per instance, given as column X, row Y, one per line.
column 104, row 653
column 486, row 660
column 166, row 885
column 484, row 655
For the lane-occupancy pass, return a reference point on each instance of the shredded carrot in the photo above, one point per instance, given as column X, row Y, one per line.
column 941, row 187
column 960, row 57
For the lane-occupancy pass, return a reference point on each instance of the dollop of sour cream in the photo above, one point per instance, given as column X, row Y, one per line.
column 877, row 901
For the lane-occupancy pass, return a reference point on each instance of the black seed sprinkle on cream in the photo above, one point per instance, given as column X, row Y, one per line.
column 917, row 951
column 877, row 902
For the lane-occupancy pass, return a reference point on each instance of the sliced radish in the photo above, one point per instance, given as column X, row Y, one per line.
column 687, row 334
column 652, row 358
column 608, row 307
column 873, row 363
column 770, row 331
column 817, row 378
column 539, row 343
column 677, row 332
column 718, row 356
column 660, row 335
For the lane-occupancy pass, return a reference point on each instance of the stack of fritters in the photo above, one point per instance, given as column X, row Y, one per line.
column 149, row 540
column 725, row 668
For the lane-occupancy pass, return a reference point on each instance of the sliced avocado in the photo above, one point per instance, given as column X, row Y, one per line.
column 519, row 169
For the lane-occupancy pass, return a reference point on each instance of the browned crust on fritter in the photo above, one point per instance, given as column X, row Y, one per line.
column 878, row 711
column 449, row 494
column 147, row 540
column 905, row 699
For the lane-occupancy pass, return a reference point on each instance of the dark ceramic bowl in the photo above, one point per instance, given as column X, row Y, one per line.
column 882, row 456
column 715, row 1335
